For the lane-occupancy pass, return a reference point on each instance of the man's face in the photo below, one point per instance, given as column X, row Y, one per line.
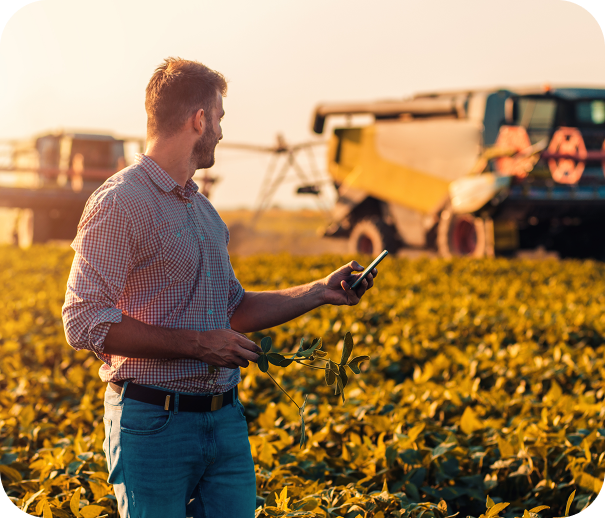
column 203, row 150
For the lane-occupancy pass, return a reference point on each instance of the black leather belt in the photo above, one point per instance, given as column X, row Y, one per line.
column 166, row 399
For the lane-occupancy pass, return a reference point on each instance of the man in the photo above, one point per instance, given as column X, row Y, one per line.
column 153, row 294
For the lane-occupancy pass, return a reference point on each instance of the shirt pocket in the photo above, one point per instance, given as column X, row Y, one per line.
column 180, row 254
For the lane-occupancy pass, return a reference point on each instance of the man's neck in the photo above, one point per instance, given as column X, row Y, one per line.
column 173, row 156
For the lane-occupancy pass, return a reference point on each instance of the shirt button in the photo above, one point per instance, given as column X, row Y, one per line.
column 208, row 274
column 189, row 205
column 202, row 238
column 178, row 234
column 210, row 312
column 212, row 382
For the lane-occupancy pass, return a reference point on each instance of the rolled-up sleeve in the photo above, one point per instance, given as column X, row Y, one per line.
column 104, row 254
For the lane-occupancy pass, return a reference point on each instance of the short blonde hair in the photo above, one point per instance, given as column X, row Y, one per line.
column 177, row 89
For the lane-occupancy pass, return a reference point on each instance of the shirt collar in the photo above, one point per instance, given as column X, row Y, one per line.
column 162, row 179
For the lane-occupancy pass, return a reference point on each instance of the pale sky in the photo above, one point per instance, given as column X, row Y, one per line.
column 78, row 64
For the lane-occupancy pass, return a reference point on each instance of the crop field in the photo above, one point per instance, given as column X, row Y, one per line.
column 485, row 387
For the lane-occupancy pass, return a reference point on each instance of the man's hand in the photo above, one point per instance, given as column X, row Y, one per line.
column 222, row 347
column 338, row 285
column 226, row 348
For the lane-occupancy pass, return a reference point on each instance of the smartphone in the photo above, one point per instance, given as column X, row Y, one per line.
column 369, row 269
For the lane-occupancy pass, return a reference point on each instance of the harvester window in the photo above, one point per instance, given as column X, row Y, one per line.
column 590, row 112
column 535, row 114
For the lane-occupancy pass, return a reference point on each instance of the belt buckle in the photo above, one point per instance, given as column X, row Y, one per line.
column 217, row 403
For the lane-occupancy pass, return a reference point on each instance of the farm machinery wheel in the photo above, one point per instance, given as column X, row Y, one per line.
column 370, row 236
column 463, row 235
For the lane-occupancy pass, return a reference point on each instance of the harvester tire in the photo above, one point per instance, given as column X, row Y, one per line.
column 370, row 236
column 463, row 235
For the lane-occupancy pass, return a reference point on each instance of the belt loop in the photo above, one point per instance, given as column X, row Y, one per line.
column 234, row 398
column 123, row 390
column 176, row 403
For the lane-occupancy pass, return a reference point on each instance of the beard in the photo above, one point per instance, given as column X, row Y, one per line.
column 202, row 155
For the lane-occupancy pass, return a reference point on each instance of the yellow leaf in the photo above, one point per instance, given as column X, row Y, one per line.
column 46, row 512
column 489, row 502
column 526, row 514
column 539, row 508
column 589, row 482
column 74, row 503
column 569, row 501
column 493, row 511
column 506, row 449
column 91, row 511
column 11, row 473
column 469, row 422
column 415, row 432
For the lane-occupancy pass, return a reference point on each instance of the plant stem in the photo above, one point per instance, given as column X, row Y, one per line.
column 283, row 390
column 311, row 366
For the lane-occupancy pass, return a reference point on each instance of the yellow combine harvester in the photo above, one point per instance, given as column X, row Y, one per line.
column 472, row 173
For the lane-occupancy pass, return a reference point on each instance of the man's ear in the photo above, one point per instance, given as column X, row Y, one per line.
column 199, row 121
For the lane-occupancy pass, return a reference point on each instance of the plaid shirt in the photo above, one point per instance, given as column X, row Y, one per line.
column 157, row 252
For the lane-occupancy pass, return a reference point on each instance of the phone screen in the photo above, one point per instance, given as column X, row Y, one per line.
column 369, row 269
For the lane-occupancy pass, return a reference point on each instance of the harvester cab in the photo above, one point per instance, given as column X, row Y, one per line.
column 472, row 173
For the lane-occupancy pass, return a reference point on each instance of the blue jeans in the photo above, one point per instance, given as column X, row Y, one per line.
column 171, row 464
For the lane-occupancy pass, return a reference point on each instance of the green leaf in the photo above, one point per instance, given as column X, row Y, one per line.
column 286, row 362
column 569, row 501
column 354, row 363
column 330, row 375
column 304, row 354
column 315, row 345
column 339, row 388
column 343, row 376
column 275, row 359
column 265, row 344
column 303, row 435
column 347, row 349
column 263, row 363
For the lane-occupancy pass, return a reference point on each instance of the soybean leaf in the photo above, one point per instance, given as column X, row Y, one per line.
column 343, row 376
column 265, row 344
column 315, row 345
column 275, row 359
column 340, row 388
column 304, row 354
column 354, row 363
column 493, row 511
column 303, row 435
column 286, row 362
column 263, row 363
column 330, row 376
column 347, row 349
column 539, row 508
column 321, row 354
column 569, row 501
column 74, row 503
column 489, row 503
column 333, row 366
